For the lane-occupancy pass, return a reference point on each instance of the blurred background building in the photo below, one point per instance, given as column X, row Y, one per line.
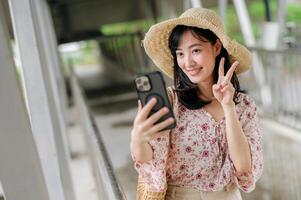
column 67, row 99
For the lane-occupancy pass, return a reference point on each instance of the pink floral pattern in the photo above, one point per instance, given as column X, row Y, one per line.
column 195, row 153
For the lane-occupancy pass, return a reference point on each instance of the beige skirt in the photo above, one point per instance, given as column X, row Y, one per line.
column 230, row 192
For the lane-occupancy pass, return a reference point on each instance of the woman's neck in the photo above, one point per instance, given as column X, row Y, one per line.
column 206, row 89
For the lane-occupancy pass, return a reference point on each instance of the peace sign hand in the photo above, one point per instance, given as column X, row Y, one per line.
column 223, row 90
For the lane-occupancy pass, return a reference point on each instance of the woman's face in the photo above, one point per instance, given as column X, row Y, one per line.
column 197, row 58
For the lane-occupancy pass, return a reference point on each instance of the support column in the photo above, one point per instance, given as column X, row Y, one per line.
column 196, row 3
column 54, row 80
column 222, row 5
column 245, row 24
column 21, row 172
column 33, row 33
column 49, row 40
column 167, row 8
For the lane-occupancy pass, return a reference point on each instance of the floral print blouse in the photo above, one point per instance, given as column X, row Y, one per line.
column 195, row 153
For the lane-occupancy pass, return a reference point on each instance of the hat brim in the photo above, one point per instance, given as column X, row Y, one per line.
column 156, row 44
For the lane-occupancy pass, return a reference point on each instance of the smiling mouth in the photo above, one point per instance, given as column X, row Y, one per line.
column 195, row 71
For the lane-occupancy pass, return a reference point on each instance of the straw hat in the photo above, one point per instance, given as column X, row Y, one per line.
column 156, row 39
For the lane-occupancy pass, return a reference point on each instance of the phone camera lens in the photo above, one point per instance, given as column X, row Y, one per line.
column 138, row 81
column 140, row 87
column 145, row 83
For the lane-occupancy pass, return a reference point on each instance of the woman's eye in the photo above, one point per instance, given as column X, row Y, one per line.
column 196, row 51
column 179, row 54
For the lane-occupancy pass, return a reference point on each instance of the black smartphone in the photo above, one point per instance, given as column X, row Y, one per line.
column 151, row 85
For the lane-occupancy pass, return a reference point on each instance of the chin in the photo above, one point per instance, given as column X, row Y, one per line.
column 196, row 80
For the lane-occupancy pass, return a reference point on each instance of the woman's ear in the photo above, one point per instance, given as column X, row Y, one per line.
column 217, row 47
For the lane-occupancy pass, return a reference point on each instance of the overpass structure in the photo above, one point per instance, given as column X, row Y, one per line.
column 35, row 152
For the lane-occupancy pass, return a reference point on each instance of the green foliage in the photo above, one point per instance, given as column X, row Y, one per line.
column 86, row 56
column 89, row 53
column 294, row 13
column 126, row 27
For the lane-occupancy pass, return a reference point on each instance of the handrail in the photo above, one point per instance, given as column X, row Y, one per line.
column 107, row 185
column 278, row 50
column 282, row 72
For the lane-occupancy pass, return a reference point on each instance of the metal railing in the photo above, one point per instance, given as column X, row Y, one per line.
column 126, row 51
column 282, row 147
column 282, row 72
column 106, row 182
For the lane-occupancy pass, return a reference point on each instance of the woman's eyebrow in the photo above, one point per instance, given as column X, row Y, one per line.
column 194, row 45
column 191, row 46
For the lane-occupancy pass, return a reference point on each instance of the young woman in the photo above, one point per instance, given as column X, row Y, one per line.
column 215, row 149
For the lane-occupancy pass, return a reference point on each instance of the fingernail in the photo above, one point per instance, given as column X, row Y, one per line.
column 171, row 119
column 166, row 109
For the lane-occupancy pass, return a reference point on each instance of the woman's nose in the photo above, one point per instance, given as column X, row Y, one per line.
column 189, row 62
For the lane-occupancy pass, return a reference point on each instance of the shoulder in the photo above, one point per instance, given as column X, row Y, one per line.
column 245, row 101
column 244, row 98
column 248, row 115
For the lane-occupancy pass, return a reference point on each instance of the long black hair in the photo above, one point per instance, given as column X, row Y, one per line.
column 186, row 90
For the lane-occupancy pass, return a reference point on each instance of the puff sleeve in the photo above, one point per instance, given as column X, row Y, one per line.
column 153, row 172
column 250, row 125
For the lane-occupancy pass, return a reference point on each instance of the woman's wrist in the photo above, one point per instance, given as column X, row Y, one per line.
column 142, row 151
column 137, row 143
column 229, row 106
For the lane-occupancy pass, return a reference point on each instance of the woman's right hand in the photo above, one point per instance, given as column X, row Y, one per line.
column 144, row 128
